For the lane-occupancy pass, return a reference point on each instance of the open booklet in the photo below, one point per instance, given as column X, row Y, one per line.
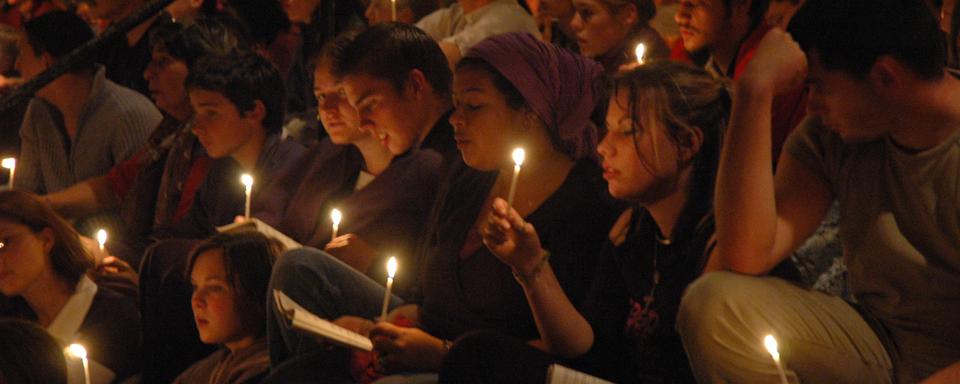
column 264, row 228
column 303, row 320
column 558, row 374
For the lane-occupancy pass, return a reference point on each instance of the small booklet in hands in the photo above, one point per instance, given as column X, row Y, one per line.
column 558, row 374
column 301, row 319
column 264, row 228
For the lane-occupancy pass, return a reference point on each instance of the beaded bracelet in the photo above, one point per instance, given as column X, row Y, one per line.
column 535, row 272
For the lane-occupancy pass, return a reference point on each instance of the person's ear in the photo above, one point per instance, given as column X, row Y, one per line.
column 47, row 239
column 257, row 113
column 887, row 75
column 416, row 86
column 690, row 143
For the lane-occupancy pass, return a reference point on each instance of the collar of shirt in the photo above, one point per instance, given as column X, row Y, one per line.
column 71, row 316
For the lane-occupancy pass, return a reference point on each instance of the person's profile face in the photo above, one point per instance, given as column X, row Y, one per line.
column 23, row 259
column 639, row 162
column 340, row 119
column 28, row 63
column 597, row 29
column 388, row 114
column 844, row 104
column 485, row 127
column 701, row 23
column 165, row 77
column 214, row 300
column 219, row 126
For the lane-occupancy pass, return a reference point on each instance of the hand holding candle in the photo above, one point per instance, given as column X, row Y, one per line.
column 640, row 51
column 11, row 164
column 335, row 216
column 518, row 155
column 247, row 181
column 771, row 344
column 102, row 239
column 391, row 272
column 80, row 352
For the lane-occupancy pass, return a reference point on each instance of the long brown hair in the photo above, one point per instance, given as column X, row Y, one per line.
column 69, row 258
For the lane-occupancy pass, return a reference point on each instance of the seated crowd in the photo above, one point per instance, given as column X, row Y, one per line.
column 485, row 191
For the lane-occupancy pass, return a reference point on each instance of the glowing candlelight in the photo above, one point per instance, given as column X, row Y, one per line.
column 391, row 272
column 80, row 352
column 101, row 238
column 247, row 181
column 640, row 51
column 518, row 155
column 393, row 10
column 771, row 344
column 11, row 164
column 335, row 216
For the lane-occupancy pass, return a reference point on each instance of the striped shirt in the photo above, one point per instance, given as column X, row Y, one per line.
column 113, row 124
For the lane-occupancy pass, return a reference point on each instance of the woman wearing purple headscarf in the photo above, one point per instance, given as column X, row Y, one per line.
column 510, row 91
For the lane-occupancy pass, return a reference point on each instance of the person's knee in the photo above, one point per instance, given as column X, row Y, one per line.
column 294, row 264
column 713, row 301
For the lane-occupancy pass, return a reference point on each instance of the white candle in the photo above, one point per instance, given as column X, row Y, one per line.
column 335, row 216
column 81, row 352
column 393, row 9
column 391, row 272
column 771, row 344
column 518, row 155
column 640, row 51
column 247, row 181
column 101, row 238
column 11, row 164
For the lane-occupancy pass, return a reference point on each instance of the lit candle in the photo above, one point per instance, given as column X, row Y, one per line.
column 771, row 345
column 640, row 51
column 247, row 181
column 335, row 216
column 80, row 352
column 391, row 272
column 518, row 155
column 393, row 9
column 101, row 238
column 11, row 164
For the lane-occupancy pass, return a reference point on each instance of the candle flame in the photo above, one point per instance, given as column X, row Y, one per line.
column 518, row 155
column 336, row 216
column 392, row 267
column 640, row 51
column 9, row 163
column 102, row 237
column 77, row 350
column 247, row 180
column 771, row 344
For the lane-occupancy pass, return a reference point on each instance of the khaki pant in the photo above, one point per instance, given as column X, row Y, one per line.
column 724, row 317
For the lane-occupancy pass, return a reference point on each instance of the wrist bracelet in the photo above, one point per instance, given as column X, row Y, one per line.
column 525, row 280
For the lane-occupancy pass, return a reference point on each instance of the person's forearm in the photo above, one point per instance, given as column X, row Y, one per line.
column 84, row 198
column 744, row 201
column 563, row 329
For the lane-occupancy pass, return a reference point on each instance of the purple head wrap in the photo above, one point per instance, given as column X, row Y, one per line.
column 560, row 87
